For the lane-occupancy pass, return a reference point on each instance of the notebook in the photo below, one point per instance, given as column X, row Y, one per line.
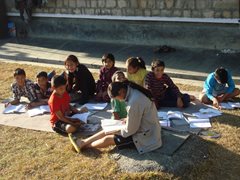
column 230, row 105
column 15, row 109
column 83, row 116
column 38, row 110
column 95, row 106
column 199, row 122
column 111, row 126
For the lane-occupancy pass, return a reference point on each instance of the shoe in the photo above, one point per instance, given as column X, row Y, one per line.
column 73, row 141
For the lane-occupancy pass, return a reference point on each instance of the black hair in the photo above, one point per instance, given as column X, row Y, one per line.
column 136, row 62
column 114, row 87
column 58, row 81
column 157, row 63
column 221, row 74
column 114, row 76
column 42, row 74
column 108, row 56
column 72, row 58
column 19, row 71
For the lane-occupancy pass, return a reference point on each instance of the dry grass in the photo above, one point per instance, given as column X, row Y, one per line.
column 28, row 154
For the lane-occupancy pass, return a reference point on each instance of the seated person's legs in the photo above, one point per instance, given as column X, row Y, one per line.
column 63, row 128
column 186, row 100
column 204, row 99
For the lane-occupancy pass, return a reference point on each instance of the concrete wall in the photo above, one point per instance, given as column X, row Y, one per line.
column 161, row 8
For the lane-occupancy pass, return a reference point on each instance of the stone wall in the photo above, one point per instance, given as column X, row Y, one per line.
column 161, row 8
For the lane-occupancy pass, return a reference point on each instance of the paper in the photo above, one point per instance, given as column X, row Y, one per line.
column 38, row 110
column 200, row 125
column 165, row 123
column 230, row 105
column 234, row 104
column 83, row 116
column 175, row 115
column 95, row 106
column 162, row 115
column 110, row 126
column 210, row 110
column 15, row 109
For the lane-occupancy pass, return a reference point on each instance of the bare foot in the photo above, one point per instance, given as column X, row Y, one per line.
column 80, row 143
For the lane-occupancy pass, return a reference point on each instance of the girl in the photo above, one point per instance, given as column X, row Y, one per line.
column 136, row 70
column 165, row 92
column 118, row 107
column 80, row 82
column 105, row 77
column 142, row 130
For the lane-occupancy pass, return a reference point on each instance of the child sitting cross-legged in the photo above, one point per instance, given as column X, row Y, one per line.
column 61, row 109
column 164, row 91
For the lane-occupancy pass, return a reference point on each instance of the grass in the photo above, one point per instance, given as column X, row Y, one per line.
column 28, row 154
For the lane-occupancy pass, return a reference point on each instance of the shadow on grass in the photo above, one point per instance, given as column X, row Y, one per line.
column 196, row 158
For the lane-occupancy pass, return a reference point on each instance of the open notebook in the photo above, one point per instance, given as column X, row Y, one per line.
column 83, row 116
column 199, row 122
column 111, row 126
column 14, row 109
column 38, row 110
column 230, row 105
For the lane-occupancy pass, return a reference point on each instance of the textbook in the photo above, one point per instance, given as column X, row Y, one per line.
column 199, row 122
column 38, row 110
column 82, row 117
column 230, row 105
column 111, row 126
column 15, row 109
column 95, row 106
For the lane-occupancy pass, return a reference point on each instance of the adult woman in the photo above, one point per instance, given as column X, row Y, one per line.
column 142, row 129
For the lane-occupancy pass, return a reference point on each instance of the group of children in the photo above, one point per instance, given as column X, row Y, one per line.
column 77, row 84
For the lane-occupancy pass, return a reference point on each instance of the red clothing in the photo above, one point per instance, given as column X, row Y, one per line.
column 57, row 103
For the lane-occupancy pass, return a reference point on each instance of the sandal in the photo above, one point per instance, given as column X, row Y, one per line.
column 73, row 141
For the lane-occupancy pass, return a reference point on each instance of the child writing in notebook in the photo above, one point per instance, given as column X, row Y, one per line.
column 218, row 87
column 61, row 109
column 22, row 87
column 80, row 82
column 164, row 91
column 118, row 107
column 136, row 70
column 105, row 77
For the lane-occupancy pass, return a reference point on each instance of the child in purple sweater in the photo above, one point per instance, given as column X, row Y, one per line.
column 164, row 91
column 105, row 77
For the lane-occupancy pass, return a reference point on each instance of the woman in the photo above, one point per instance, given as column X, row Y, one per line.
column 142, row 129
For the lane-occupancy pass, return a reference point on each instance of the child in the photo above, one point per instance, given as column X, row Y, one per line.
column 119, row 107
column 23, row 87
column 60, row 108
column 106, row 73
column 43, row 88
column 81, row 84
column 165, row 92
column 142, row 130
column 136, row 70
column 215, row 90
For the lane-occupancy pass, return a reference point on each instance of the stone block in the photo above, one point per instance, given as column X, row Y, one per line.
column 81, row 3
column 133, row 3
column 236, row 14
column 189, row 4
column 88, row 3
column 116, row 12
column 156, row 12
column 186, row 13
column 142, row 4
column 177, row 13
column 217, row 14
column 65, row 3
column 77, row 11
column 122, row 3
column 101, row 3
column 129, row 12
column 64, row 10
column 208, row 14
column 90, row 11
column 166, row 13
column 98, row 11
column 147, row 12
column 72, row 3
column 179, row 4
column 59, row 3
column 227, row 14
column 111, row 3
column 51, row 4
column 226, row 4
column 196, row 14
column 151, row 4
column 169, row 4
column 138, row 12
column 160, row 4
column 94, row 3
column 51, row 10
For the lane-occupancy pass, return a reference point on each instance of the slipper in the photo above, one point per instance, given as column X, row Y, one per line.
column 210, row 134
column 73, row 141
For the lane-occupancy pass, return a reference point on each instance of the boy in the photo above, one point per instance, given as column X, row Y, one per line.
column 164, row 91
column 61, row 109
column 22, row 87
column 215, row 90
column 43, row 88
